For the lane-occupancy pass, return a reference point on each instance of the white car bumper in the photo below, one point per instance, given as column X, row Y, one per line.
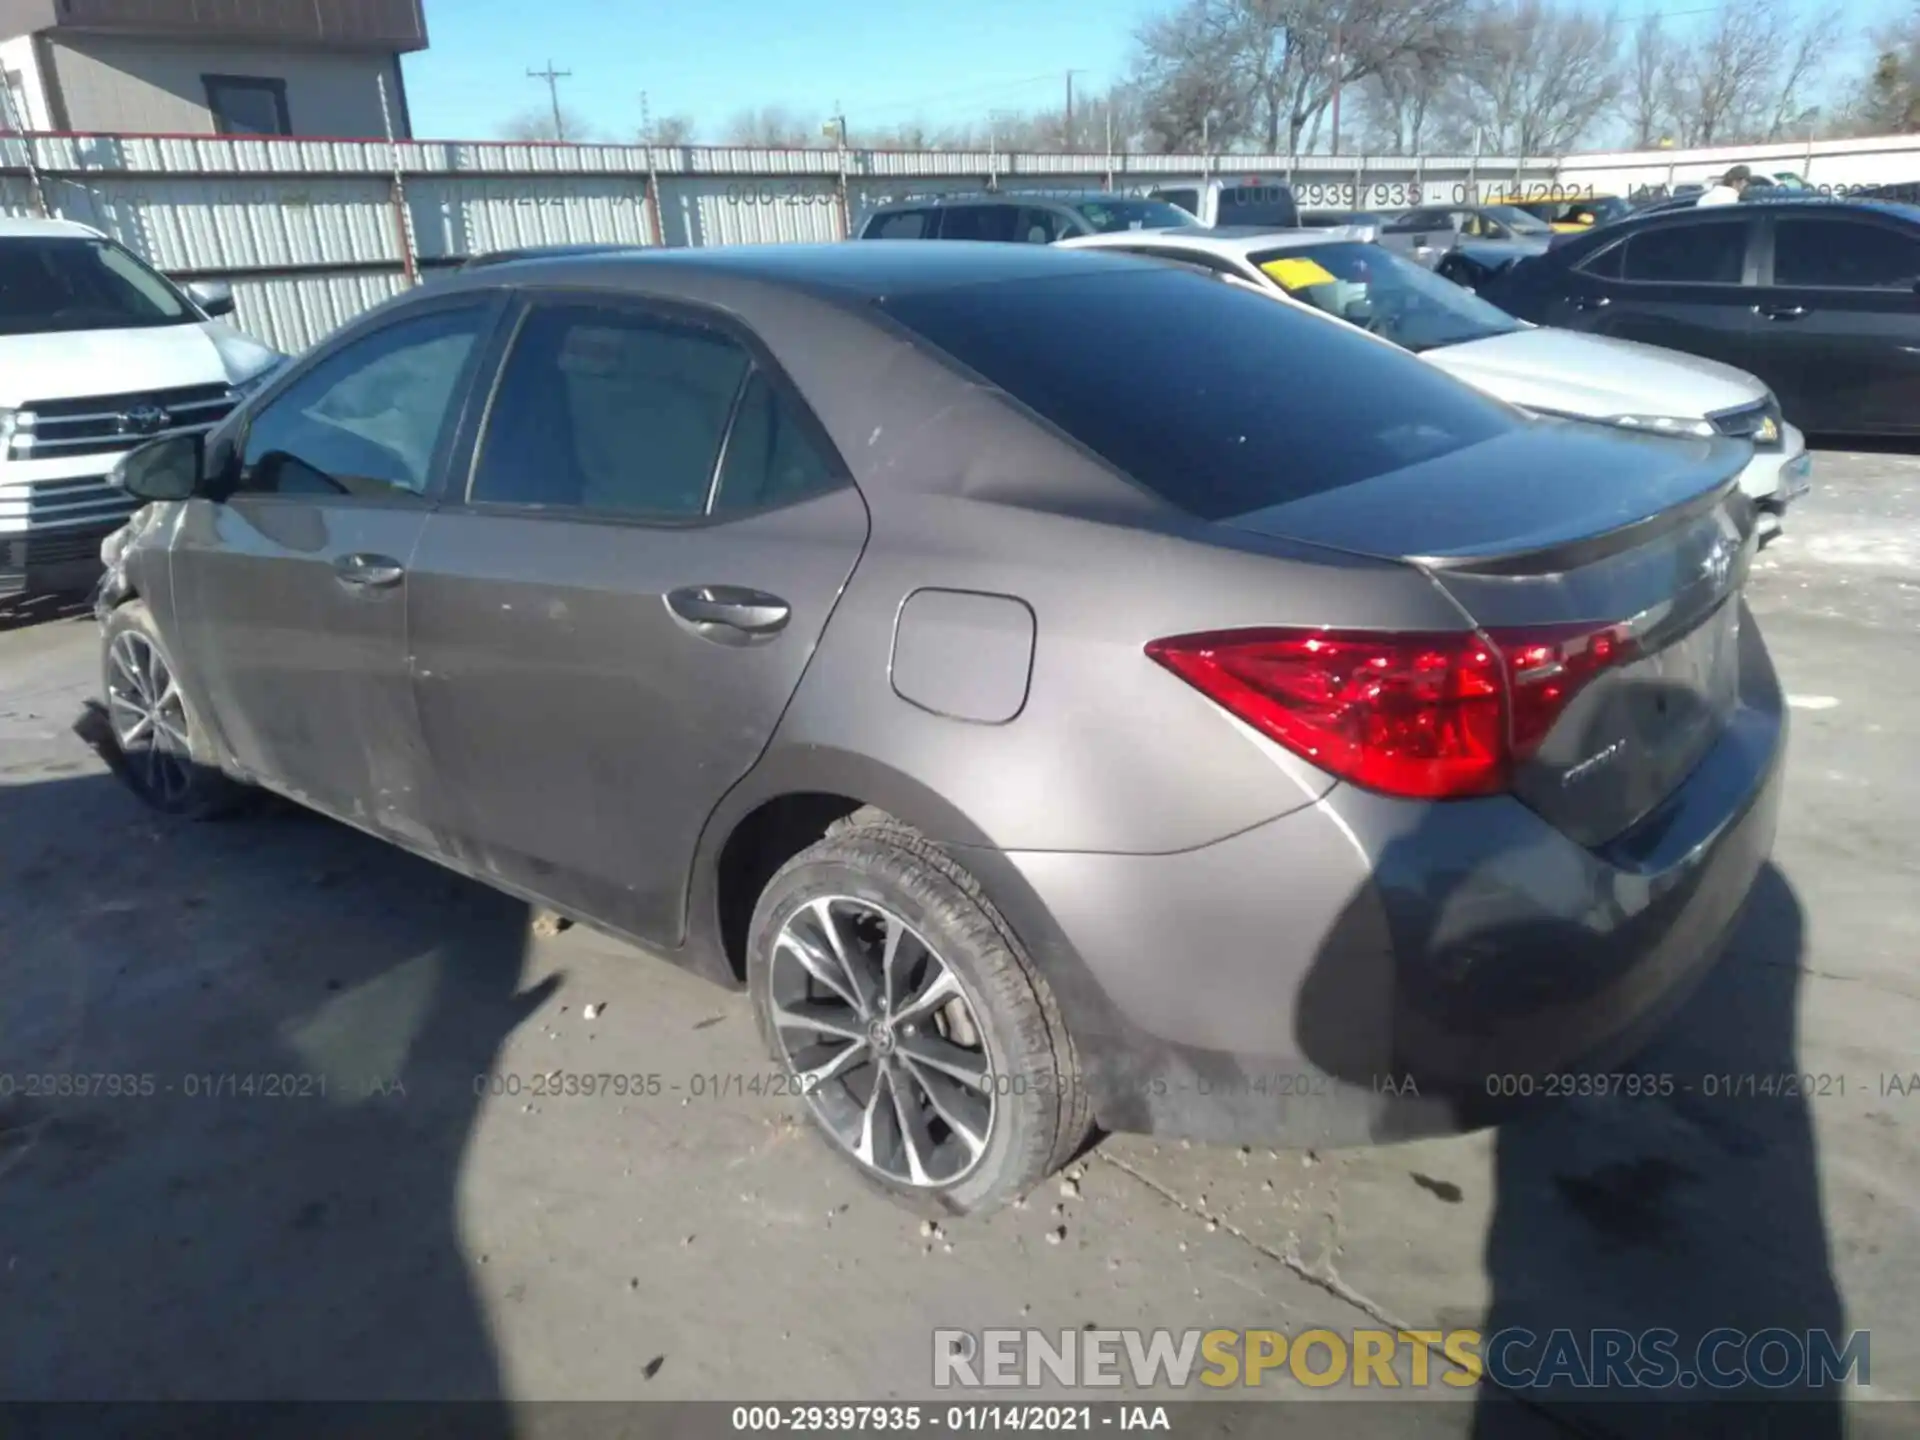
column 1775, row 478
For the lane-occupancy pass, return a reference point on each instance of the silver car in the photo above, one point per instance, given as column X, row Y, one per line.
column 1059, row 688
column 1546, row 370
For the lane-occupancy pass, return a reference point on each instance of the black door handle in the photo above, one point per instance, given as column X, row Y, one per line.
column 369, row 572
column 1779, row 312
column 1590, row 302
column 729, row 613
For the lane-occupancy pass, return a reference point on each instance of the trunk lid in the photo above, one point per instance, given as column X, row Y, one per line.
column 1606, row 568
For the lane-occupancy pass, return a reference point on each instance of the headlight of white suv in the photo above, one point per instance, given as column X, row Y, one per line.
column 1664, row 424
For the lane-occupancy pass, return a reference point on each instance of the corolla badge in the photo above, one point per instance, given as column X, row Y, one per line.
column 1576, row 773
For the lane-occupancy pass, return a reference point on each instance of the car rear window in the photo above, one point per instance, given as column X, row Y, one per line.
column 1220, row 400
column 1258, row 205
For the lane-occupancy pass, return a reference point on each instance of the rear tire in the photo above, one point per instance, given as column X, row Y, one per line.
column 947, row 1078
column 163, row 751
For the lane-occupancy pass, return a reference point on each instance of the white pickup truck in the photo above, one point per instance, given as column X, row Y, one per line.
column 98, row 352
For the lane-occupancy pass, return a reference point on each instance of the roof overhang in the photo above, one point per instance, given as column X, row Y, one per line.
column 394, row 25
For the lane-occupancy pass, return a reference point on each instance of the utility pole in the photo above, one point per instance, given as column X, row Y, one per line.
column 1339, row 70
column 646, row 120
column 553, row 78
column 1068, row 136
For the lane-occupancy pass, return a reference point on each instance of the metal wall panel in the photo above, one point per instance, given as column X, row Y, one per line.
column 749, row 211
column 238, row 225
column 461, row 215
column 293, row 312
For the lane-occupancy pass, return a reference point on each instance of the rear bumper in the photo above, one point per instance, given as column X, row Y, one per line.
column 1369, row 969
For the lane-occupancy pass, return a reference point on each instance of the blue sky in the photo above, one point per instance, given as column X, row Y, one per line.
column 885, row 65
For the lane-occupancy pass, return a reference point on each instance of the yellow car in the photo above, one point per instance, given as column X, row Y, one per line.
column 1568, row 212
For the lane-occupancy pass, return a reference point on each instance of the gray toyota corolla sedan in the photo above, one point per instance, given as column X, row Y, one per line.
column 1062, row 689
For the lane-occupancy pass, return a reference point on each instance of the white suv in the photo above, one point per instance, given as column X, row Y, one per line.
column 98, row 353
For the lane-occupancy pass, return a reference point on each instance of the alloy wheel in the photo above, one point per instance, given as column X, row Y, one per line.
column 149, row 717
column 884, row 1041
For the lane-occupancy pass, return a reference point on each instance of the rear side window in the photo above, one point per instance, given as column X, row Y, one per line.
column 1187, row 200
column 771, row 458
column 902, row 225
column 610, row 411
column 1214, row 398
column 981, row 222
column 1711, row 253
column 1607, row 264
column 1843, row 254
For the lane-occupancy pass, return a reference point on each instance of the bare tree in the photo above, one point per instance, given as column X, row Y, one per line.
column 537, row 123
column 1263, row 72
column 1400, row 102
column 1750, row 73
column 1650, row 83
column 1191, row 75
column 670, row 130
column 1534, row 76
column 772, row 127
column 1888, row 100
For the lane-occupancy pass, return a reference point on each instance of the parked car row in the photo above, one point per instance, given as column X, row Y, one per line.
column 1060, row 688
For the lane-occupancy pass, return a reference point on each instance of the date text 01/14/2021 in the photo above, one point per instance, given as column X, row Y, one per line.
column 627, row 1085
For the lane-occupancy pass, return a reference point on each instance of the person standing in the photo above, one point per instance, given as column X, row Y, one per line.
column 1731, row 187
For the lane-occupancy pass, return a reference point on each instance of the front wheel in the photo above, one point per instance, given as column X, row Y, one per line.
column 163, row 752
column 928, row 1050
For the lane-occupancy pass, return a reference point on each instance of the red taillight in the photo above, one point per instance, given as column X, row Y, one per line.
column 1548, row 665
column 1432, row 716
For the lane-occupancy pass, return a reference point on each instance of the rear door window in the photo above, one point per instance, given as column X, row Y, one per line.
column 1187, row 200
column 1213, row 397
column 1704, row 253
column 609, row 410
column 903, row 225
column 1042, row 227
column 1837, row 254
column 981, row 222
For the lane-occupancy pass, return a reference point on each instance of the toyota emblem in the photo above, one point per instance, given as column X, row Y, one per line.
column 144, row 420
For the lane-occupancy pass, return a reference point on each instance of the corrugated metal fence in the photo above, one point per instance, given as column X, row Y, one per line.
column 310, row 232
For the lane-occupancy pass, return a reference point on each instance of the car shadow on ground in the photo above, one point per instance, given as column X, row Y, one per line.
column 240, row 1080
column 1639, row 1224
column 17, row 612
column 1689, row 1212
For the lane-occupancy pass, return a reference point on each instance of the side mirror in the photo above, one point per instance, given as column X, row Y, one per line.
column 163, row 469
column 213, row 296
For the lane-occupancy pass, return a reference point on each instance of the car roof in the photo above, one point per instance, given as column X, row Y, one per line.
column 869, row 270
column 11, row 228
column 544, row 252
column 1233, row 241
